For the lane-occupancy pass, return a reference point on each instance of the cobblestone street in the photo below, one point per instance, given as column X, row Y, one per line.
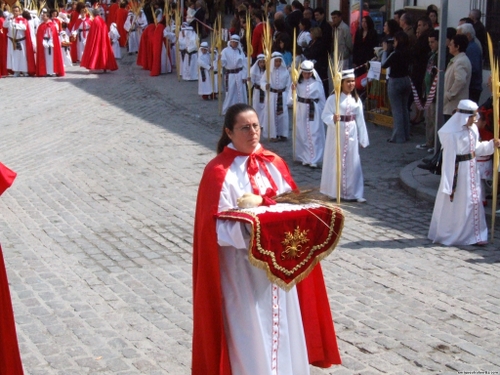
column 97, row 233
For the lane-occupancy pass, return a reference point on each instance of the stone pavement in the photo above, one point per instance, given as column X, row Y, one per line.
column 97, row 233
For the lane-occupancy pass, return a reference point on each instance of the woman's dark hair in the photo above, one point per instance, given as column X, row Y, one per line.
column 301, row 78
column 306, row 22
column 402, row 38
column 369, row 22
column 79, row 7
column 280, row 25
column 229, row 121
column 26, row 15
column 393, row 26
column 450, row 32
column 287, row 42
column 432, row 11
column 354, row 92
column 461, row 42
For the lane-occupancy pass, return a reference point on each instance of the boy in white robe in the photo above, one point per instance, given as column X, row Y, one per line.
column 310, row 131
column 205, row 88
column 234, row 62
column 114, row 37
column 352, row 135
column 458, row 216
column 277, row 122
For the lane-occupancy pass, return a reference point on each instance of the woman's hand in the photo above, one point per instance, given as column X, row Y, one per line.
column 336, row 118
column 249, row 200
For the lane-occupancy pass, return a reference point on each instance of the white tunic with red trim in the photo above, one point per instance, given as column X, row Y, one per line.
column 263, row 323
column 352, row 135
column 310, row 138
column 461, row 222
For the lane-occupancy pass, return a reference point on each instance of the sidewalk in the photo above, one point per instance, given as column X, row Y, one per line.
column 422, row 184
column 419, row 183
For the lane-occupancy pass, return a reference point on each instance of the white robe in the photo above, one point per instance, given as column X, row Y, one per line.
column 16, row 59
column 81, row 33
column 173, row 51
column 190, row 60
column 461, row 222
column 66, row 53
column 277, row 124
column 310, row 134
column 205, row 63
column 166, row 60
column 352, row 134
column 48, row 45
column 251, row 304
column 236, row 92
column 132, row 28
column 114, row 37
column 303, row 38
column 256, row 77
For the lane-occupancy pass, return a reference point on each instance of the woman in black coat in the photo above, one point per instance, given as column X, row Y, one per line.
column 317, row 52
column 365, row 40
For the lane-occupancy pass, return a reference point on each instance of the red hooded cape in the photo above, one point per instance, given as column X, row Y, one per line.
column 145, row 55
column 3, row 50
column 30, row 52
column 111, row 17
column 41, row 68
column 98, row 53
column 73, row 18
column 10, row 359
column 210, row 351
column 158, row 41
column 121, row 17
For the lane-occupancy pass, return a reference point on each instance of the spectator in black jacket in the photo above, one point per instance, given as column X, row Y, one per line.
column 316, row 51
column 326, row 29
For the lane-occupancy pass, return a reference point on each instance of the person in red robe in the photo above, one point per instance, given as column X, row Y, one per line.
column 158, row 43
column 20, row 52
column 98, row 53
column 112, row 11
column 211, row 339
column 3, row 48
column 49, row 59
column 54, row 16
column 145, row 55
column 73, row 17
column 121, row 17
column 10, row 358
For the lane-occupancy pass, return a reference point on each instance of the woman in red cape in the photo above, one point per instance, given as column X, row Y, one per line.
column 211, row 341
column 158, row 41
column 41, row 67
column 145, row 55
column 121, row 17
column 10, row 359
column 98, row 53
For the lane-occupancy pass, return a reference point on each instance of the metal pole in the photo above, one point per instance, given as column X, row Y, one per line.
column 443, row 24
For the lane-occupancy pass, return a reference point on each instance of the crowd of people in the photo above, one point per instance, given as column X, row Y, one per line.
column 229, row 293
column 44, row 42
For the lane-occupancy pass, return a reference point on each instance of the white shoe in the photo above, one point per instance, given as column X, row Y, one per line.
column 304, row 163
column 314, row 165
column 361, row 200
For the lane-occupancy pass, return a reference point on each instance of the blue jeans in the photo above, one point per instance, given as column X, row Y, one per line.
column 399, row 90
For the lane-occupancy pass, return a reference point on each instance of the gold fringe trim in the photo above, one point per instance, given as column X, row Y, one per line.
column 256, row 228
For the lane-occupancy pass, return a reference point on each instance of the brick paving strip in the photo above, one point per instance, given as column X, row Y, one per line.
column 97, row 230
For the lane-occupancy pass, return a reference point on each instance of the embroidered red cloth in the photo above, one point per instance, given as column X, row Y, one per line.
column 288, row 240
